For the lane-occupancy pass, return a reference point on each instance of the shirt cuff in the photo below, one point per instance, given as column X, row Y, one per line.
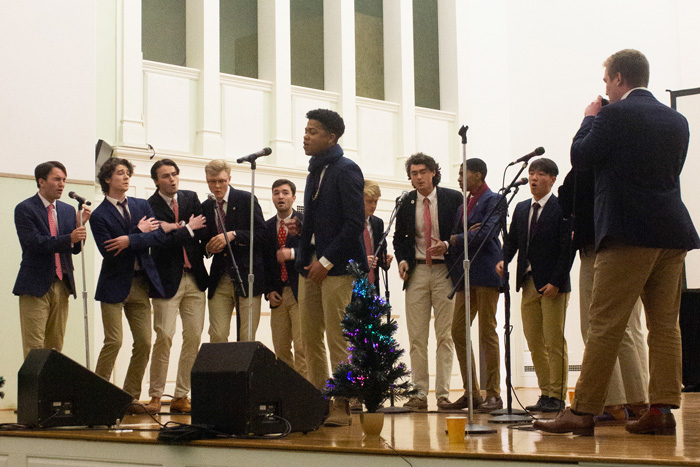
column 325, row 263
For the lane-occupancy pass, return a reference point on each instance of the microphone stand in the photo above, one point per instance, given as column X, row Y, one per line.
column 251, row 277
column 236, row 278
column 508, row 415
column 382, row 243
column 85, row 304
column 470, row 427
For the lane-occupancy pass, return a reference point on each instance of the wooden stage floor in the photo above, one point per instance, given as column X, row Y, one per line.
column 422, row 436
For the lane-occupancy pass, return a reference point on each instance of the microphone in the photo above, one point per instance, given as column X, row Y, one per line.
column 255, row 155
column 78, row 198
column 402, row 198
column 522, row 181
column 537, row 152
column 211, row 197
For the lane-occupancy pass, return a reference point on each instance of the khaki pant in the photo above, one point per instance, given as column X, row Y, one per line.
column 484, row 301
column 630, row 378
column 322, row 307
column 543, row 326
column 221, row 307
column 622, row 274
column 43, row 319
column 427, row 293
column 137, row 309
column 189, row 302
column 285, row 324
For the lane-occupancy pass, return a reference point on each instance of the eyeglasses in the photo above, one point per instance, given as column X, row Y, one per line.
column 220, row 181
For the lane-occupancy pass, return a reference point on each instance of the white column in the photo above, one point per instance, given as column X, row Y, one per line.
column 339, row 64
column 202, row 51
column 399, row 83
column 274, row 65
column 131, row 130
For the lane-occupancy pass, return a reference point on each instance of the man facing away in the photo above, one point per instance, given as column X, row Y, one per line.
column 484, row 285
column 233, row 206
column 330, row 238
column 542, row 238
column 636, row 147
column 184, row 277
column 421, row 240
column 282, row 279
column 47, row 233
column 125, row 230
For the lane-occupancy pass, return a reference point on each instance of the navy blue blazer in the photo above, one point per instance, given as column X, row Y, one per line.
column 38, row 268
column 335, row 218
column 273, row 278
column 482, row 270
column 106, row 223
column 238, row 220
column 549, row 252
column 637, row 148
column 449, row 201
column 168, row 257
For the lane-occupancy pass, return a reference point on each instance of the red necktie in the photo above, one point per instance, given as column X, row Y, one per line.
column 176, row 211
column 427, row 230
column 369, row 247
column 281, row 240
column 54, row 233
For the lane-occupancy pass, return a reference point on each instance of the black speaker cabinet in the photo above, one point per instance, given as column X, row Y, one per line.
column 242, row 388
column 57, row 391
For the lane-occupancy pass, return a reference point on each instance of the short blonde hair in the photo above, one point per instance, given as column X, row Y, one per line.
column 216, row 166
column 372, row 189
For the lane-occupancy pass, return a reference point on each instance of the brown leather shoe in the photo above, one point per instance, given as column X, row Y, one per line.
column 339, row 413
column 636, row 411
column 461, row 403
column 180, row 405
column 137, row 408
column 613, row 415
column 492, row 403
column 153, row 406
column 567, row 422
column 653, row 424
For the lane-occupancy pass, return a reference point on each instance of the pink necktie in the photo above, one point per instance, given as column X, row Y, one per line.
column 427, row 230
column 54, row 233
column 176, row 211
column 281, row 240
column 370, row 251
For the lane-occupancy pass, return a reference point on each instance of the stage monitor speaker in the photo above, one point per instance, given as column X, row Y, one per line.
column 242, row 388
column 57, row 391
column 689, row 321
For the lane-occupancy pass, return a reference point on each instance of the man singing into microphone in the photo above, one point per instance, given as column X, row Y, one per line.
column 47, row 233
column 233, row 207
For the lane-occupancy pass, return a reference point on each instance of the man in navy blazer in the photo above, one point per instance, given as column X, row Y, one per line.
column 234, row 206
column 636, row 147
column 184, row 277
column 374, row 228
column 484, row 285
column 45, row 277
column 421, row 248
column 330, row 239
column 542, row 238
column 125, row 230
column 282, row 278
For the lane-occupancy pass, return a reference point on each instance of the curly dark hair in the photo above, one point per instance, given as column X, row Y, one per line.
column 423, row 159
column 107, row 170
column 331, row 121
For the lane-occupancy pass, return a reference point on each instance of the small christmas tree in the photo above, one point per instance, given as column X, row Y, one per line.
column 373, row 367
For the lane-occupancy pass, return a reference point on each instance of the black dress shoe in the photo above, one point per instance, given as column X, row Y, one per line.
column 553, row 405
column 541, row 402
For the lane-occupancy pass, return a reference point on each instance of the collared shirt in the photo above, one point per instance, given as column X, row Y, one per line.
column 541, row 202
column 114, row 202
column 624, row 96
column 368, row 226
column 228, row 193
column 435, row 232
column 46, row 205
